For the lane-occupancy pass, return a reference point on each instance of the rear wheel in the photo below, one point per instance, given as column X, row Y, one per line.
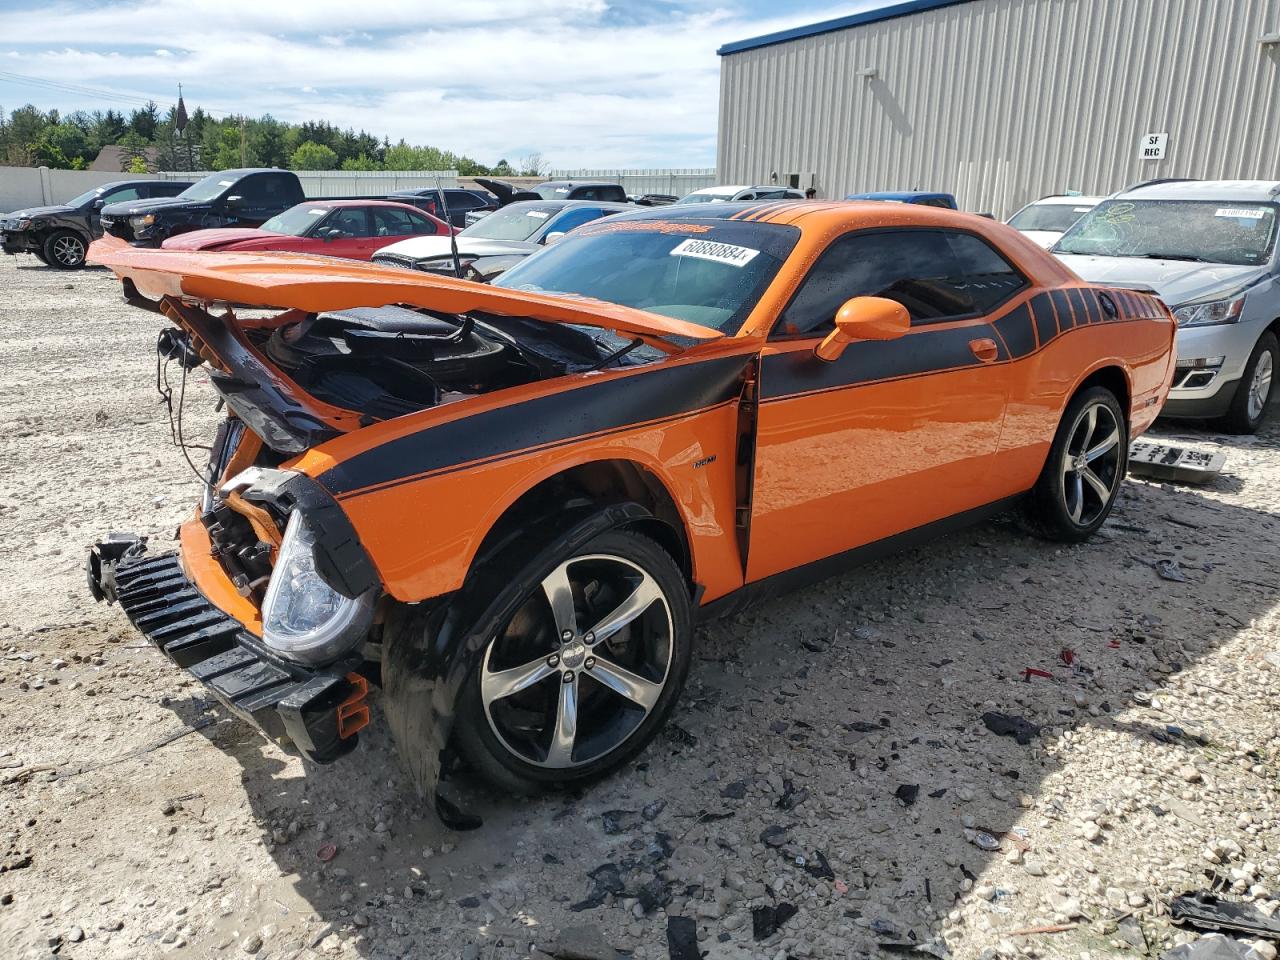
column 585, row 670
column 1087, row 462
column 1249, row 405
column 65, row 250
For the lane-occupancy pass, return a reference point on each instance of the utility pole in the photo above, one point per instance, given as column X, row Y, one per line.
column 243, row 162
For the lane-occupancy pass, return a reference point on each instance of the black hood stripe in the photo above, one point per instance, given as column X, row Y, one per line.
column 659, row 393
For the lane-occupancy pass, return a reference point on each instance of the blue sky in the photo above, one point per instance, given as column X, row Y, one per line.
column 603, row 83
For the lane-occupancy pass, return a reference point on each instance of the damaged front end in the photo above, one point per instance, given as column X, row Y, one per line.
column 272, row 601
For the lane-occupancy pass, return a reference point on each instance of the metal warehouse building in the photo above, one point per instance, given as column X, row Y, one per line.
column 1004, row 101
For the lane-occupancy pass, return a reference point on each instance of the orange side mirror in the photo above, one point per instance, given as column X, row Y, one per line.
column 864, row 318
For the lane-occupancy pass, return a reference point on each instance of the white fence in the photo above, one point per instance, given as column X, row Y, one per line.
column 41, row 186
column 675, row 182
column 355, row 183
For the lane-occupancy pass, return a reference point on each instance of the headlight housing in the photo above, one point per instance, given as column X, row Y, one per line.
column 303, row 618
column 22, row 223
column 143, row 221
column 1209, row 312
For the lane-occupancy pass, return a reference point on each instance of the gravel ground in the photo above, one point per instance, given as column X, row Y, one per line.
column 830, row 759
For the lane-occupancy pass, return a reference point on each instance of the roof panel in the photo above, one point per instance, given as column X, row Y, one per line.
column 870, row 12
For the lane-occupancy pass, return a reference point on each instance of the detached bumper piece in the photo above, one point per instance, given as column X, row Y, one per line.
column 319, row 710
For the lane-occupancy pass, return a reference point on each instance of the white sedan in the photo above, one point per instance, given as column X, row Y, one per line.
column 1048, row 218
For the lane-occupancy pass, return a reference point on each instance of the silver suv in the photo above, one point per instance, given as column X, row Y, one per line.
column 1208, row 248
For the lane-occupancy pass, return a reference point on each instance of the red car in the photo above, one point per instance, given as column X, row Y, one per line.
column 353, row 229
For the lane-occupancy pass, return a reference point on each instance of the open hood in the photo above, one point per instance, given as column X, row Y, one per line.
column 505, row 192
column 317, row 283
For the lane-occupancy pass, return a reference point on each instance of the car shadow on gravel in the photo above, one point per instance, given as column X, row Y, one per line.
column 830, row 753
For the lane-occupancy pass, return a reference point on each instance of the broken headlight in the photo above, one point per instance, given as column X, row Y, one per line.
column 303, row 618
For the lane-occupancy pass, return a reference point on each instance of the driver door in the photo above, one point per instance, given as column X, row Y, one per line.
column 355, row 239
column 894, row 435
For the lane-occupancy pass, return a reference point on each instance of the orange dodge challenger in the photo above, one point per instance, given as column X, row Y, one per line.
column 509, row 505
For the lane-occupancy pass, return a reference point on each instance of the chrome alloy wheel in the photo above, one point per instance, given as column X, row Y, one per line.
column 1260, row 388
column 581, row 664
column 1091, row 463
column 69, row 251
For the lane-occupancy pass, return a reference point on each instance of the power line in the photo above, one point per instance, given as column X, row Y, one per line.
column 101, row 93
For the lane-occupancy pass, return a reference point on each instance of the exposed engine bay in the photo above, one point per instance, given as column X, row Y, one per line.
column 377, row 362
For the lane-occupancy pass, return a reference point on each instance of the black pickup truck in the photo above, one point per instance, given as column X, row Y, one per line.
column 231, row 198
column 59, row 235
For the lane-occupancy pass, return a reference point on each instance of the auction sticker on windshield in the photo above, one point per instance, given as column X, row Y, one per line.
column 1242, row 213
column 729, row 253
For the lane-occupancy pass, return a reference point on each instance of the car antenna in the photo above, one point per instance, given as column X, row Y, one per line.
column 453, row 237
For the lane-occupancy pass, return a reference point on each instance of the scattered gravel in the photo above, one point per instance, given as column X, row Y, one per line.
column 832, row 785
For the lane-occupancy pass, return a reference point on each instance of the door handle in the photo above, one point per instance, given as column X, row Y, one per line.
column 985, row 349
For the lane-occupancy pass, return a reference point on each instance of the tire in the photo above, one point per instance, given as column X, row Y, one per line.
column 65, row 250
column 1086, row 465
column 511, row 720
column 1248, row 409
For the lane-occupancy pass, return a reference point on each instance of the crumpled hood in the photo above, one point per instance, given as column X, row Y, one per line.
column 1175, row 281
column 422, row 248
column 33, row 212
column 216, row 237
column 131, row 208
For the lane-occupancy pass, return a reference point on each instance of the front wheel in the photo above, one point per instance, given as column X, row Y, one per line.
column 584, row 671
column 65, row 250
column 1249, row 405
column 1087, row 462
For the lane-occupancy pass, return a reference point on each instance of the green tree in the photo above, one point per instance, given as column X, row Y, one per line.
column 503, row 169
column 135, row 153
column 361, row 162
column 144, row 121
column 313, row 156
column 267, row 137
column 59, row 145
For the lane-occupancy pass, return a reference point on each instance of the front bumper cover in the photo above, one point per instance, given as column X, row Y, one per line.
column 318, row 709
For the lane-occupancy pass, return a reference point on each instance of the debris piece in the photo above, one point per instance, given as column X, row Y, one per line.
column 679, row 735
column 1006, row 725
column 985, row 841
column 653, row 895
column 861, row 726
column 1047, row 928
column 582, row 943
column 907, row 793
column 1205, row 911
column 735, row 791
column 651, row 811
column 1067, row 656
column 766, row 920
column 682, row 938
column 933, row 948
column 327, row 852
column 605, row 879
column 619, row 821
column 1213, row 947
column 818, row 867
column 1030, row 672
column 791, row 797
column 1164, row 461
column 1169, row 570
column 1130, row 931
column 775, row 836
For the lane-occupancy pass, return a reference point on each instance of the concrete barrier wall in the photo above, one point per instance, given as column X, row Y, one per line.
column 39, row 186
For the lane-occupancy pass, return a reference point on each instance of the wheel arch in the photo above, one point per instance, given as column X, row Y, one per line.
column 598, row 482
column 1112, row 375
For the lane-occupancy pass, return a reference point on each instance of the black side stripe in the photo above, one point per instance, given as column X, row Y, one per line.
column 1042, row 309
column 1015, row 328
column 655, row 394
column 921, row 352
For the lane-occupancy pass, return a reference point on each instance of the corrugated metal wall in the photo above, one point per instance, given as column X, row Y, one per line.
column 1003, row 101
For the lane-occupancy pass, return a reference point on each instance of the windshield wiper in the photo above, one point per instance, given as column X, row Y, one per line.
column 1176, row 256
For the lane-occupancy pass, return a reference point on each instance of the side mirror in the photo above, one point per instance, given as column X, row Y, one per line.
column 864, row 318
column 333, row 233
column 235, row 202
column 99, row 204
column 553, row 236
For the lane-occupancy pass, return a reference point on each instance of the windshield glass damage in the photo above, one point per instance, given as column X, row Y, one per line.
column 1209, row 231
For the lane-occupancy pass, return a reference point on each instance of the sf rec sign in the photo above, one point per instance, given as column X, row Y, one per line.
column 1151, row 146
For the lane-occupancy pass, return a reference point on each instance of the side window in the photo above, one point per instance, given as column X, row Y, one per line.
column 124, row 193
column 352, row 221
column 390, row 222
column 422, row 225
column 612, row 194
column 255, row 190
column 575, row 218
column 463, row 200
column 935, row 274
column 585, row 193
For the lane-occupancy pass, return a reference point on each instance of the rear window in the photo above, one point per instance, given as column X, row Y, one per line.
column 1049, row 217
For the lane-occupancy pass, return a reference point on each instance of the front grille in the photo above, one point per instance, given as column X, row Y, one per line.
column 396, row 260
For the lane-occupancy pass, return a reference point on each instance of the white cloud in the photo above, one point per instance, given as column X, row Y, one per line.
column 583, row 84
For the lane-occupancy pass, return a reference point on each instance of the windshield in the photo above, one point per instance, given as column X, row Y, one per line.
column 85, row 197
column 210, row 188
column 1211, row 231
column 709, row 273
column 705, row 198
column 1054, row 217
column 519, row 221
column 295, row 221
